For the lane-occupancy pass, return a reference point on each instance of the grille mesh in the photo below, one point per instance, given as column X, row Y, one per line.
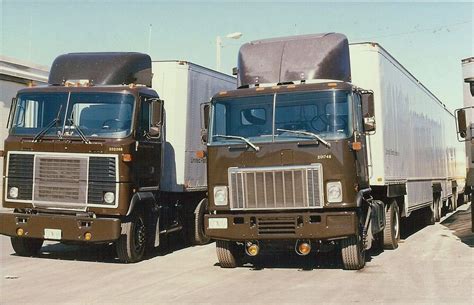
column 20, row 174
column 276, row 187
column 101, row 178
column 60, row 179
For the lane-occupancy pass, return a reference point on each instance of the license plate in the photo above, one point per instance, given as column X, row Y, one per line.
column 217, row 223
column 52, row 234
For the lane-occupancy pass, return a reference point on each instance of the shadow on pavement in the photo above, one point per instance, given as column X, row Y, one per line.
column 460, row 224
column 105, row 253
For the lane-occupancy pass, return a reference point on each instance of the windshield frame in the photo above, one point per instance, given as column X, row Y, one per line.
column 64, row 125
column 272, row 139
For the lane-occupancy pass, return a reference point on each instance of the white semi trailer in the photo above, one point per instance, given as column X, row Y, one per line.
column 415, row 144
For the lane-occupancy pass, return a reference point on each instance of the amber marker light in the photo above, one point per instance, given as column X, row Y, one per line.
column 126, row 157
column 304, row 248
column 356, row 146
column 20, row 232
column 252, row 249
column 259, row 88
column 332, row 84
column 87, row 236
column 200, row 154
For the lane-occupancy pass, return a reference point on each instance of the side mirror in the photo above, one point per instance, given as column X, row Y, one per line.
column 205, row 109
column 462, row 126
column 368, row 110
column 156, row 113
column 470, row 81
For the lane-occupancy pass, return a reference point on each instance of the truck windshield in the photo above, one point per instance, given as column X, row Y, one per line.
column 95, row 114
column 327, row 114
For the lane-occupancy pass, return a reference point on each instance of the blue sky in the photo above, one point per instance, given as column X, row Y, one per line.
column 429, row 39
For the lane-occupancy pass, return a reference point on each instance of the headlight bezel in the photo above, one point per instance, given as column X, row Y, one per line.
column 221, row 190
column 331, row 187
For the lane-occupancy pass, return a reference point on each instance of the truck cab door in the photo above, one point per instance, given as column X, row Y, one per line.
column 360, row 136
column 149, row 139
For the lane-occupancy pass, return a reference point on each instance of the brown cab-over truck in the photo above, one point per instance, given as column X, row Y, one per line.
column 96, row 156
column 325, row 146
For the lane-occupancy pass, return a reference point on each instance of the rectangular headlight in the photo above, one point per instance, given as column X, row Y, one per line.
column 220, row 195
column 334, row 191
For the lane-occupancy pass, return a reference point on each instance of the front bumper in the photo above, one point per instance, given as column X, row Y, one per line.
column 72, row 228
column 291, row 225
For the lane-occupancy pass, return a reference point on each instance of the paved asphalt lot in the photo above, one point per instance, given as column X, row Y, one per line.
column 433, row 264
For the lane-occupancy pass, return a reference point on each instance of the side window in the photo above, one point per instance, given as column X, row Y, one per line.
column 144, row 125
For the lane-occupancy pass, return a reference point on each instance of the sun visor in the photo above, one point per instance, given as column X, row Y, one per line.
column 294, row 58
column 108, row 68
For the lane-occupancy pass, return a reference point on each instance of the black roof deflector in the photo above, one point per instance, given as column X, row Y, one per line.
column 102, row 68
column 294, row 58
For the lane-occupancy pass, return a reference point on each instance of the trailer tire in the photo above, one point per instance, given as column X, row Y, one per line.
column 391, row 232
column 132, row 242
column 228, row 253
column 353, row 253
column 26, row 246
column 200, row 238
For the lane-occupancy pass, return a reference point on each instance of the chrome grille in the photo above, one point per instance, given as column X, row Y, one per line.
column 60, row 180
column 286, row 187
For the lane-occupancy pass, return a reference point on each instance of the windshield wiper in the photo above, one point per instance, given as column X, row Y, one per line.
column 239, row 138
column 49, row 126
column 307, row 133
column 79, row 131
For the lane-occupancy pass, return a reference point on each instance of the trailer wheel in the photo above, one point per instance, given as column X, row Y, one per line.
column 132, row 242
column 353, row 253
column 228, row 253
column 200, row 238
column 391, row 232
column 26, row 246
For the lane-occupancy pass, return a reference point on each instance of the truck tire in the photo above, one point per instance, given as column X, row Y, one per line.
column 391, row 232
column 132, row 242
column 228, row 253
column 353, row 253
column 200, row 238
column 26, row 246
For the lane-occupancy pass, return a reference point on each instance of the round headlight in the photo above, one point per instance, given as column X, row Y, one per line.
column 109, row 197
column 13, row 192
column 220, row 195
column 334, row 191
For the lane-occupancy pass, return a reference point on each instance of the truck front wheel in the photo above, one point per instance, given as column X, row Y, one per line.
column 391, row 232
column 26, row 246
column 228, row 253
column 353, row 253
column 132, row 242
